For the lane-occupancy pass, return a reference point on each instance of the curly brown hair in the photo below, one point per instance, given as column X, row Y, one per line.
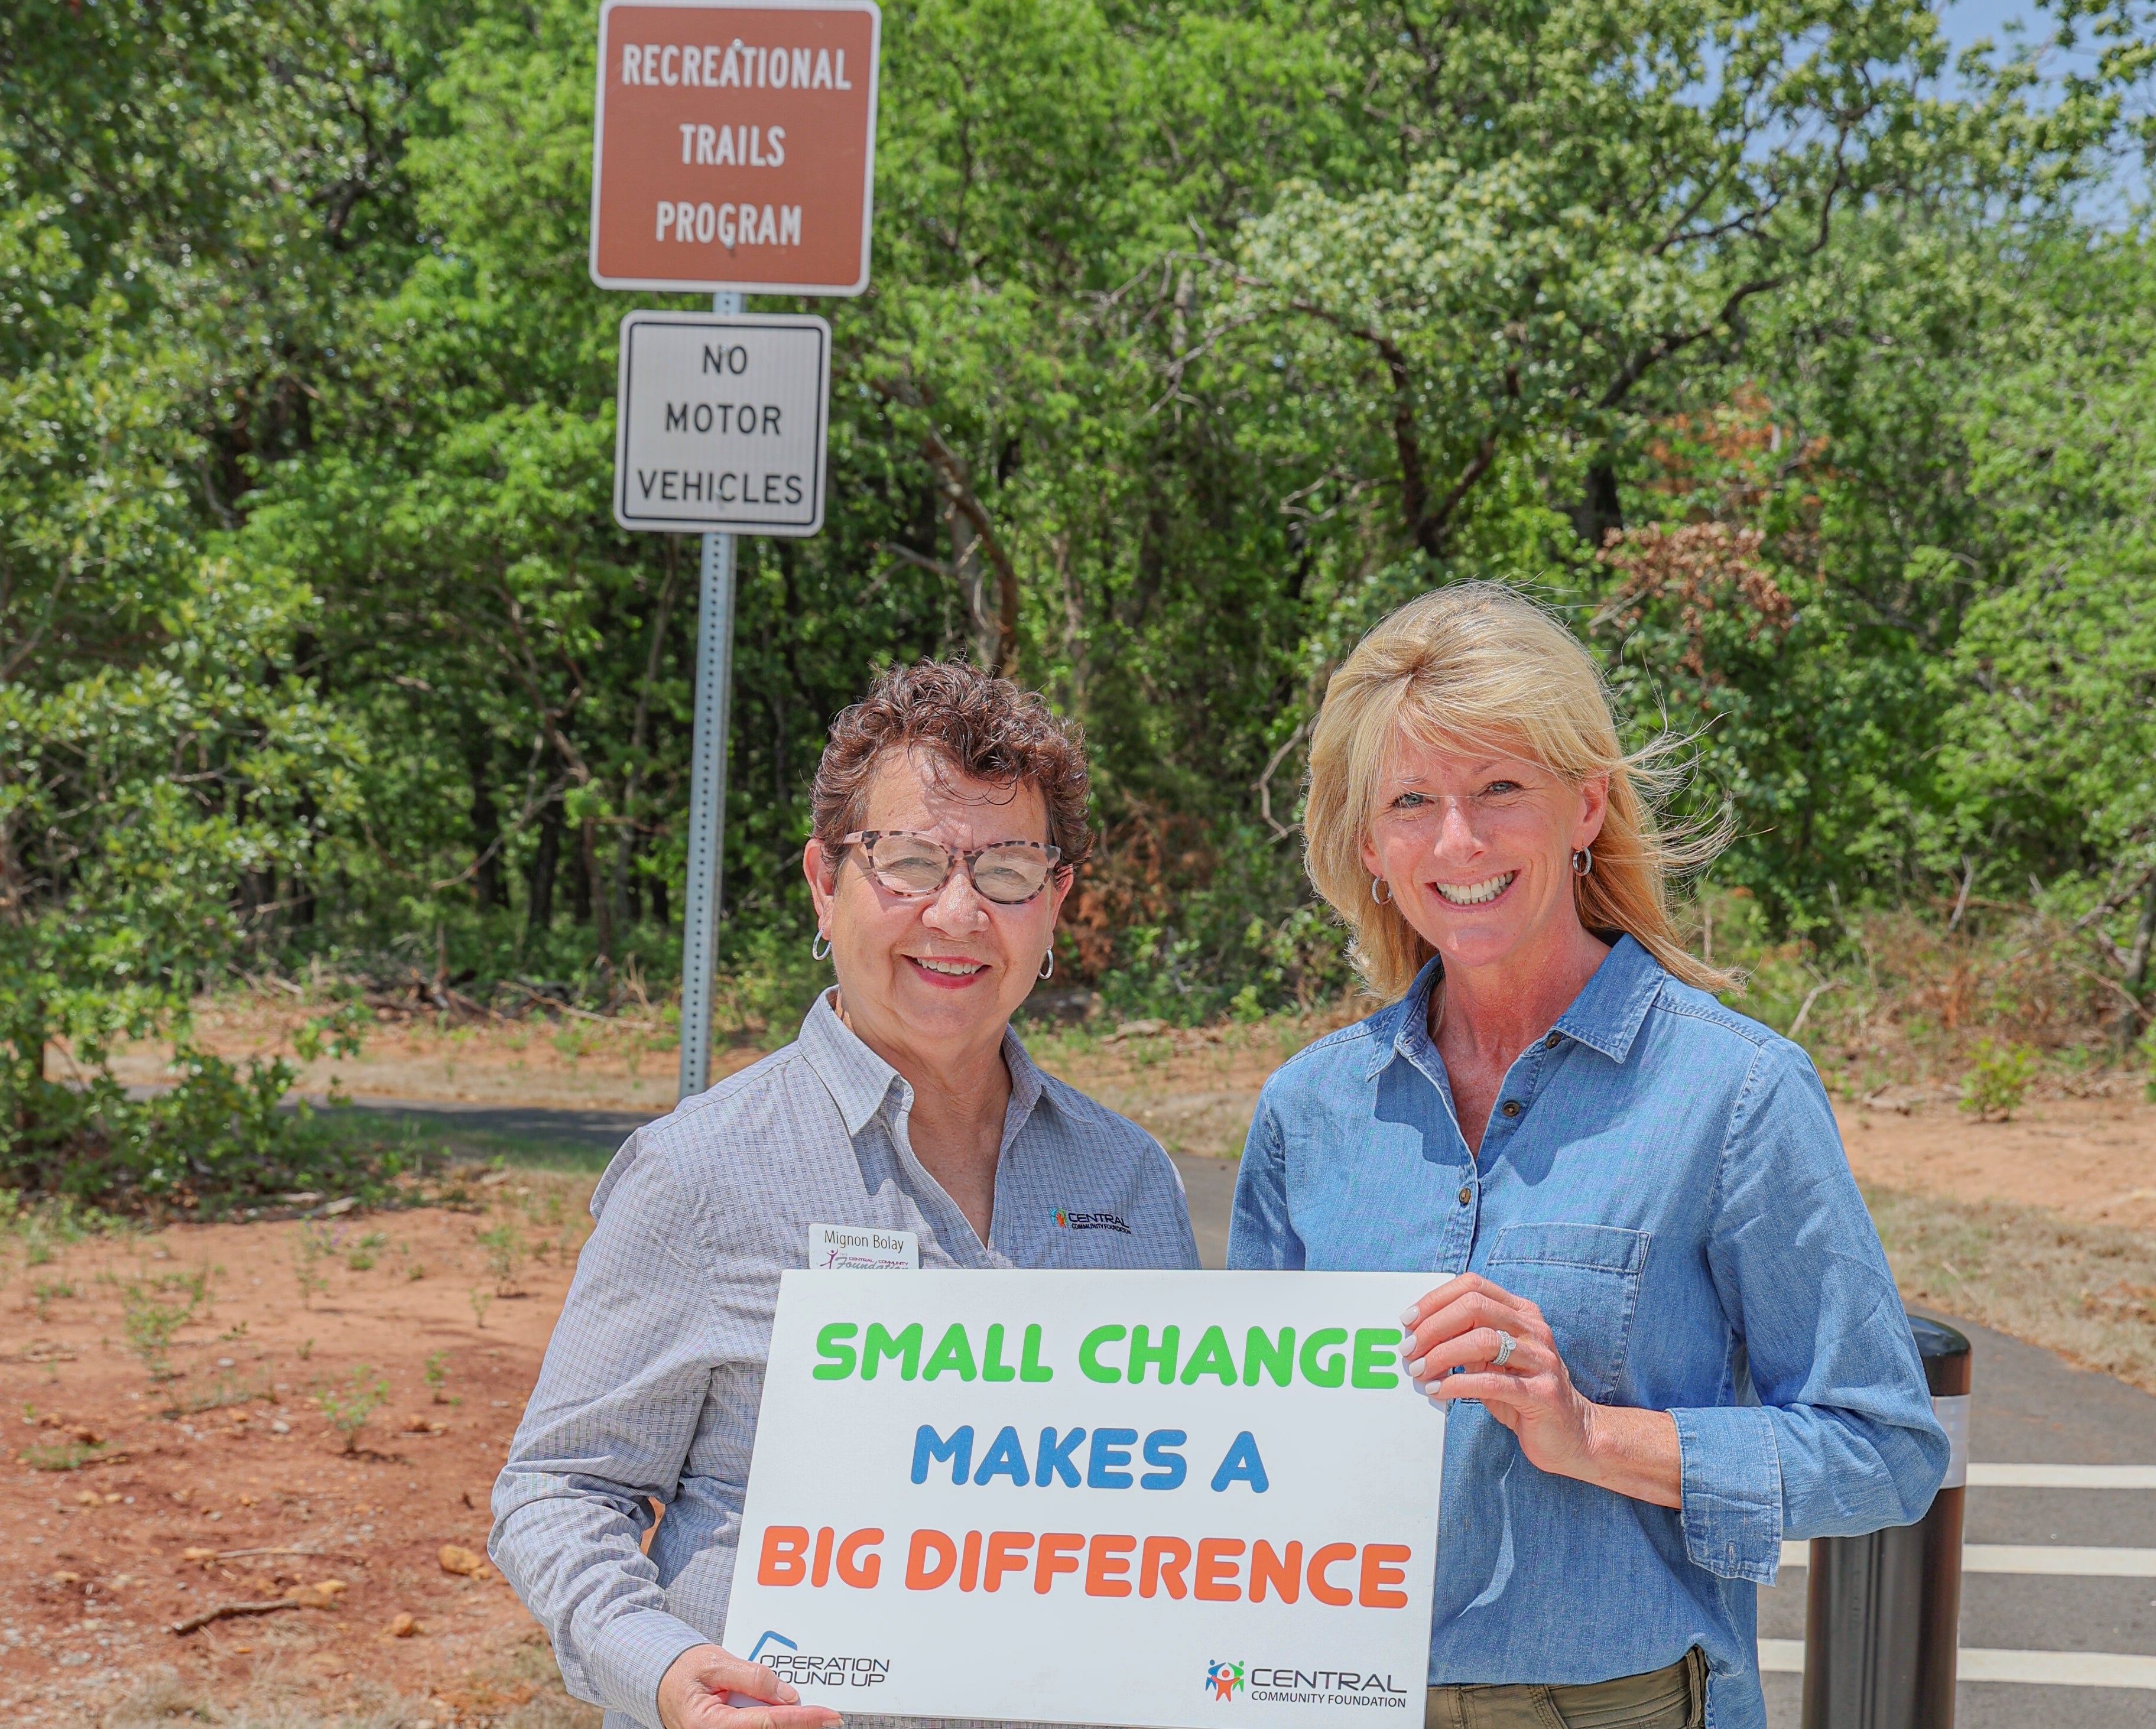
column 979, row 725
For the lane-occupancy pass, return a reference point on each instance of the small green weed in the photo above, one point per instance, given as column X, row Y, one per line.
column 438, row 1375
column 505, row 1255
column 309, row 1248
column 153, row 1322
column 481, row 1300
column 224, row 1393
column 48, row 1291
column 63, row 1455
column 348, row 1408
column 1995, row 1086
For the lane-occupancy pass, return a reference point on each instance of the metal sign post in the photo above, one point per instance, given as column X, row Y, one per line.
column 719, row 424
column 707, row 795
column 733, row 149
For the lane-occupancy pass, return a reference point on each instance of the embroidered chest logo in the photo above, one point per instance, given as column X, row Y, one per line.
column 1066, row 1220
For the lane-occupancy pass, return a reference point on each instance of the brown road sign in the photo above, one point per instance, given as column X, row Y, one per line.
column 734, row 146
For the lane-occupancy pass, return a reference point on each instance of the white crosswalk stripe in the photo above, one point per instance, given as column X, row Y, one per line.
column 2062, row 1476
column 2053, row 1669
column 2064, row 1560
column 2050, row 1669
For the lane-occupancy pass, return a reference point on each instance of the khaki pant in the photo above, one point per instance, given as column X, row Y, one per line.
column 1672, row 1698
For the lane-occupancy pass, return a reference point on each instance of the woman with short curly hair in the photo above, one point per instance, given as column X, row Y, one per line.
column 1665, row 1334
column 948, row 814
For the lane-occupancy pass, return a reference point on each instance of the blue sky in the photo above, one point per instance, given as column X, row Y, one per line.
column 1967, row 21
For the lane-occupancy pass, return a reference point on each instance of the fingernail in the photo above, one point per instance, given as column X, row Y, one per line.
column 1414, row 1369
column 787, row 1696
column 1407, row 1314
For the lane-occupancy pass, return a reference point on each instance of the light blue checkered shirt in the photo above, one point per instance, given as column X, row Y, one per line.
column 655, row 1370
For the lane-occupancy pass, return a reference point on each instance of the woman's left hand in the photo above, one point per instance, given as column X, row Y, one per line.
column 1456, row 1326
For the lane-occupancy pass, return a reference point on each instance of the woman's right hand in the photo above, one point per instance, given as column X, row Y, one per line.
column 693, row 1694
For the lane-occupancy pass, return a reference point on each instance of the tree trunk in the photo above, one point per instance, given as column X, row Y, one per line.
column 973, row 583
column 487, row 884
column 539, row 901
column 624, row 850
column 2137, row 965
column 1600, row 511
column 597, row 906
column 580, row 882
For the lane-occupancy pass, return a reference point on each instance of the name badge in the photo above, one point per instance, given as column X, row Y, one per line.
column 858, row 1248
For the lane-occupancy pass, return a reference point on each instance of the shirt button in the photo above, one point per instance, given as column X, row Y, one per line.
column 1550, row 1042
column 1511, row 1107
column 1466, row 1194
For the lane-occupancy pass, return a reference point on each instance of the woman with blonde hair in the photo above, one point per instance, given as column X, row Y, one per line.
column 1667, row 1333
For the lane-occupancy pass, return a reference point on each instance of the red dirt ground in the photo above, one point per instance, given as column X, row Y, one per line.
column 181, row 1510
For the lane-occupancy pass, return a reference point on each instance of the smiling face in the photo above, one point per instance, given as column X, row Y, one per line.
column 1476, row 846
column 938, row 975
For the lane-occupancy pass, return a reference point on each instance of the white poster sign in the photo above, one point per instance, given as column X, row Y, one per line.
column 1174, row 1499
column 719, row 423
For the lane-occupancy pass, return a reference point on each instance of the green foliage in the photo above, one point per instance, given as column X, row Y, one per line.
column 1199, row 337
column 63, row 1455
column 310, row 1247
column 153, row 1316
column 437, row 1374
column 505, row 1255
column 1999, row 1081
column 347, row 1408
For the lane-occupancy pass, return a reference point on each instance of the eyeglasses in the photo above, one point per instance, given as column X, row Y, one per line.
column 1008, row 872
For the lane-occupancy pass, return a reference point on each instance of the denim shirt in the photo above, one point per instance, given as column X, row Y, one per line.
column 1664, row 1179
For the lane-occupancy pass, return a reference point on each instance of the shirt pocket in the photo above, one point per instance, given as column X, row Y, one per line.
column 1585, row 1278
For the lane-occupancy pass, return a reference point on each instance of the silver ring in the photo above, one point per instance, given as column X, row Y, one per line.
column 1506, row 1344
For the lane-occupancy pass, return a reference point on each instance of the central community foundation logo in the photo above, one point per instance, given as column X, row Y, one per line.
column 1066, row 1220
column 1224, row 1678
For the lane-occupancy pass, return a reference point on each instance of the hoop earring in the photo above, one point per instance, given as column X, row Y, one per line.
column 1048, row 965
column 819, row 946
column 1378, row 883
column 1583, row 861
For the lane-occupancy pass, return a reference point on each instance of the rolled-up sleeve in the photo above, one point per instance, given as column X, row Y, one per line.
column 1261, row 1237
column 1842, row 1440
column 609, row 1423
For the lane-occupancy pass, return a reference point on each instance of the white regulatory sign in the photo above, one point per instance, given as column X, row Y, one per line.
column 719, row 424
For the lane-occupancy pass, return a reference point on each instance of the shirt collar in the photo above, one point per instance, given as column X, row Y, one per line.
column 861, row 1081
column 1605, row 1016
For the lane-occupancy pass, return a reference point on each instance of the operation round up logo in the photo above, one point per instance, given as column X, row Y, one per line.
column 803, row 1669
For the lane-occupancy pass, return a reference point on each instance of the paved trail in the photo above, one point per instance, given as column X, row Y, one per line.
column 2058, row 1621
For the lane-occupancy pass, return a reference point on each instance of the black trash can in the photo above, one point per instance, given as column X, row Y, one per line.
column 1882, row 1620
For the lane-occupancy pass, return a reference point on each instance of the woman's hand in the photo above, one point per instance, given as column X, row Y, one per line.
column 692, row 1695
column 1457, row 1327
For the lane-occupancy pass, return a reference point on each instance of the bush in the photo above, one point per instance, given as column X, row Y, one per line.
column 218, row 1140
column 1175, row 923
column 1996, row 1085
